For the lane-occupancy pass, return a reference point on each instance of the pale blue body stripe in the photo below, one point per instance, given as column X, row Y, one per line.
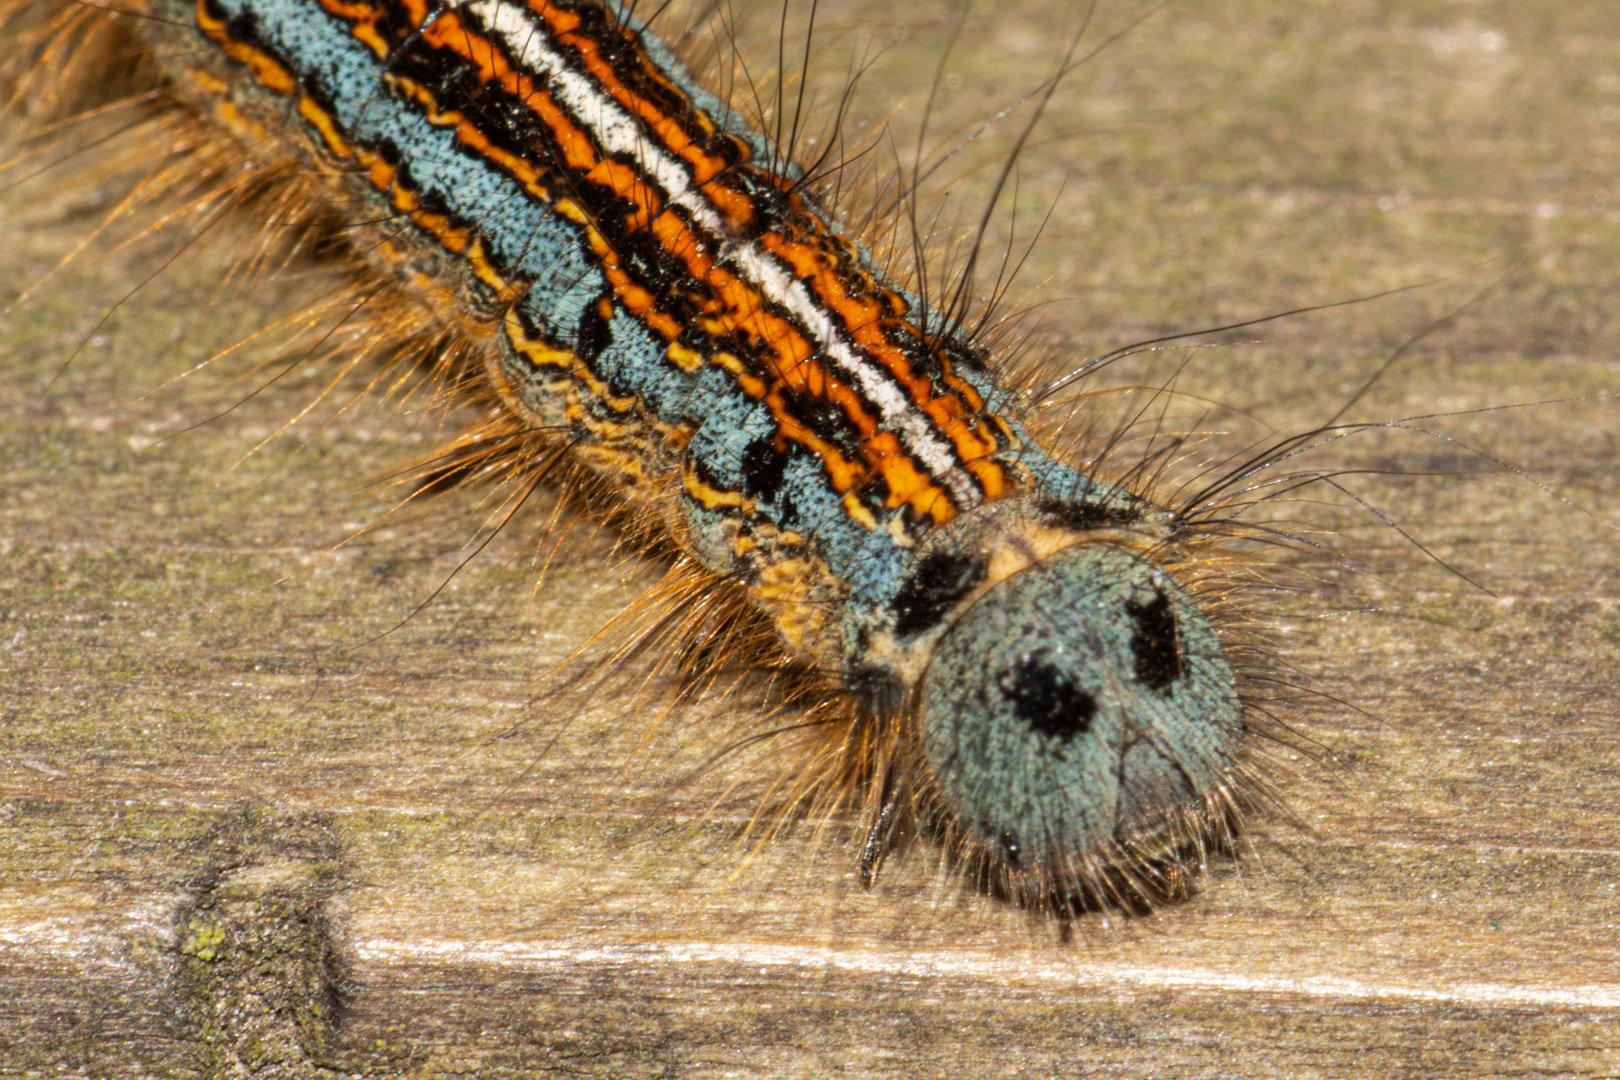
column 524, row 234
column 533, row 239
column 518, row 229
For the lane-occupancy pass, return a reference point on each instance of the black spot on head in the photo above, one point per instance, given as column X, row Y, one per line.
column 762, row 468
column 940, row 580
column 1046, row 699
column 1079, row 516
column 1158, row 656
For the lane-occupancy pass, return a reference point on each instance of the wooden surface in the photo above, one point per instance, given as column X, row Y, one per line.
column 239, row 837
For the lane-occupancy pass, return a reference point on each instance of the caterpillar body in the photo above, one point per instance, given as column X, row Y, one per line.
column 1037, row 665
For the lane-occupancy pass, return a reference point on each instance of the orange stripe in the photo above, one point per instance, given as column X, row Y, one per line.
column 863, row 318
column 745, row 309
column 737, row 207
column 270, row 74
column 364, row 18
column 451, row 35
column 471, row 136
column 273, row 76
column 742, row 306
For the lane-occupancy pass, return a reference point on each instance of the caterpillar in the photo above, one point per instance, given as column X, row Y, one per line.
column 1028, row 648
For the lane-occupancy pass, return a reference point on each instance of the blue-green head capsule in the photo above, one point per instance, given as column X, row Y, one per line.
column 1077, row 710
column 1074, row 718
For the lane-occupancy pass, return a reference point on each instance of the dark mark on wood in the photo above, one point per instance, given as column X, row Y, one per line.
column 255, row 964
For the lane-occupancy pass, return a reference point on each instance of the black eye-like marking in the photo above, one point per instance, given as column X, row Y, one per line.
column 1158, row 656
column 1044, row 698
column 940, row 581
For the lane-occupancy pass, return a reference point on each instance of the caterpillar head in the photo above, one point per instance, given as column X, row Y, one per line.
column 1073, row 714
column 1075, row 710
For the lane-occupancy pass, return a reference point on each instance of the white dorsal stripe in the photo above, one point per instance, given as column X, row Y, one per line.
column 617, row 132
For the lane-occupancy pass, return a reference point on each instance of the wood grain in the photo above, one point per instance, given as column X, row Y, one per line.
column 242, row 834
